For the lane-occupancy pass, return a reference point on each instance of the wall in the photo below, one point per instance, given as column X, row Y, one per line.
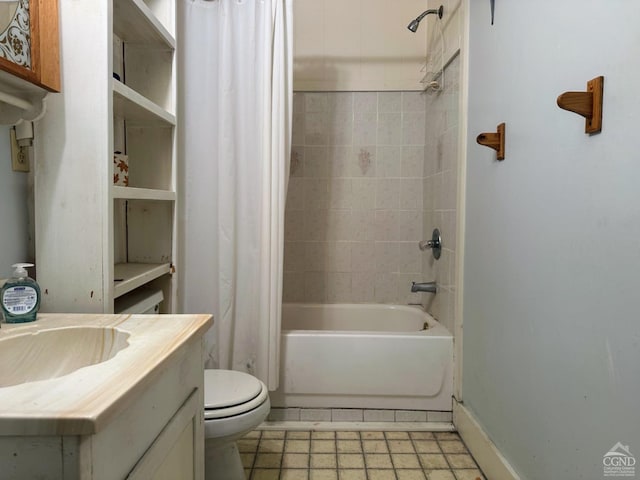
column 14, row 215
column 442, row 168
column 551, row 330
column 373, row 256
column 358, row 45
column 440, row 187
column 354, row 206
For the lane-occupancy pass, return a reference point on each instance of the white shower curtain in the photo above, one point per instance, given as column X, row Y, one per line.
column 235, row 64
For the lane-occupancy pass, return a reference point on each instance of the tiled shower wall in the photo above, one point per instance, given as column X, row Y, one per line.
column 355, row 203
column 440, row 188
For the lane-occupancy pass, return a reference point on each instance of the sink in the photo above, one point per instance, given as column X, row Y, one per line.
column 52, row 353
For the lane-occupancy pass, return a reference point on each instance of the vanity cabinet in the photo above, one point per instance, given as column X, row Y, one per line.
column 100, row 242
column 159, row 436
column 137, row 415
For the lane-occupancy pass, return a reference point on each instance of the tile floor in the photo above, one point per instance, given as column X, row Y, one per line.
column 304, row 455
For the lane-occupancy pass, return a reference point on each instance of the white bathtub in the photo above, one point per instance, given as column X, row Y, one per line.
column 363, row 356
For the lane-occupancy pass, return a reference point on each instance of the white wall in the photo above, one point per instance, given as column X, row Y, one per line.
column 551, row 327
column 14, row 217
column 358, row 45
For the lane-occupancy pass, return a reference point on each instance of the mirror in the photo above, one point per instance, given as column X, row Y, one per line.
column 29, row 43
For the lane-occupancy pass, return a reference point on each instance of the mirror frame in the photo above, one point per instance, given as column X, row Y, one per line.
column 45, row 47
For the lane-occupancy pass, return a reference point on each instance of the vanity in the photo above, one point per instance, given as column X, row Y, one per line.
column 102, row 397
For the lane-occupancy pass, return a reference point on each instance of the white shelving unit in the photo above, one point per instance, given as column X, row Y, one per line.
column 97, row 243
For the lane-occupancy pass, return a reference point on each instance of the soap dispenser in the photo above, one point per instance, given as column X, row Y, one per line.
column 20, row 296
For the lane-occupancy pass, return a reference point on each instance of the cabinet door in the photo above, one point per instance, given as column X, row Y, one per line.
column 175, row 453
column 179, row 461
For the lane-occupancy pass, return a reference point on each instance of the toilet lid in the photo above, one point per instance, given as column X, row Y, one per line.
column 226, row 388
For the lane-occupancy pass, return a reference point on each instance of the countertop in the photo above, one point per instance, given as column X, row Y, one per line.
column 83, row 401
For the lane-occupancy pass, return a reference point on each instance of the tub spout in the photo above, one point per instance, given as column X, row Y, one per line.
column 429, row 287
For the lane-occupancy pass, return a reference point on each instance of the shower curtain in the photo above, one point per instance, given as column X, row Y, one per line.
column 235, row 84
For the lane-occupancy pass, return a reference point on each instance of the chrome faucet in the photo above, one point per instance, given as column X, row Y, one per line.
column 429, row 287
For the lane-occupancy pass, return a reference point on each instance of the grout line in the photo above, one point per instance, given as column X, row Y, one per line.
column 255, row 456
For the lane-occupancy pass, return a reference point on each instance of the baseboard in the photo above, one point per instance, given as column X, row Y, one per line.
column 485, row 453
column 359, row 426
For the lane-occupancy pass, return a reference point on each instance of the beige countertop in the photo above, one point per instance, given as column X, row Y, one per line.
column 83, row 401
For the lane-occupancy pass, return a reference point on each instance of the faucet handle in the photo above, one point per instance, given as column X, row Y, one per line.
column 435, row 244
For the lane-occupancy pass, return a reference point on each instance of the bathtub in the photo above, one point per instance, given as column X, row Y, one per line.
column 363, row 356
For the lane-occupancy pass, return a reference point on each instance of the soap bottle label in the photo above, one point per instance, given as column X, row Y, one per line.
column 19, row 300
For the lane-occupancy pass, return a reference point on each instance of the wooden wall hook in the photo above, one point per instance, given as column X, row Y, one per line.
column 588, row 104
column 494, row 140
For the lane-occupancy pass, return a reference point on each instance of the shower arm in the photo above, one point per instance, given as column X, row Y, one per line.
column 425, row 13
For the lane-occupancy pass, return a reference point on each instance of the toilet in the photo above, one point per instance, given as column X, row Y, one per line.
column 234, row 404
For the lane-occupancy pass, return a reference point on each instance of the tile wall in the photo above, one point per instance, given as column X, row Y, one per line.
column 440, row 188
column 278, row 414
column 355, row 208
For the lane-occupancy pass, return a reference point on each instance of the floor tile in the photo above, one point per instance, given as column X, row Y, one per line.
column 323, row 446
column 355, row 455
column 426, row 446
column 349, row 446
column 273, row 446
column 452, row 446
column 441, row 475
column 397, row 435
column 350, row 460
column 295, row 460
column 433, row 461
column 296, row 446
column 457, row 460
column 323, row 475
column 400, row 446
column 261, row 474
column 378, row 460
column 277, row 434
column 381, row 475
column 375, row 446
column 323, row 460
column 294, row 474
column 268, row 460
column 352, row 474
column 410, row 475
column 247, row 444
column 323, row 435
column 405, row 460
column 471, row 474
column 422, row 435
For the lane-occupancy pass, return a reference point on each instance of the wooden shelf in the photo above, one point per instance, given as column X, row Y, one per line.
column 133, row 193
column 134, row 22
column 138, row 110
column 138, row 301
column 129, row 276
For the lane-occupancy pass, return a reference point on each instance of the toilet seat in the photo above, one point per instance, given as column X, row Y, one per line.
column 228, row 393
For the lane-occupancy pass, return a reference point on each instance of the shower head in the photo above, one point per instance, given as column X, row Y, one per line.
column 413, row 26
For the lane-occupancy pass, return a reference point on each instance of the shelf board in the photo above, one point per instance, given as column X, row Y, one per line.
column 136, row 109
column 134, row 22
column 133, row 193
column 130, row 276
